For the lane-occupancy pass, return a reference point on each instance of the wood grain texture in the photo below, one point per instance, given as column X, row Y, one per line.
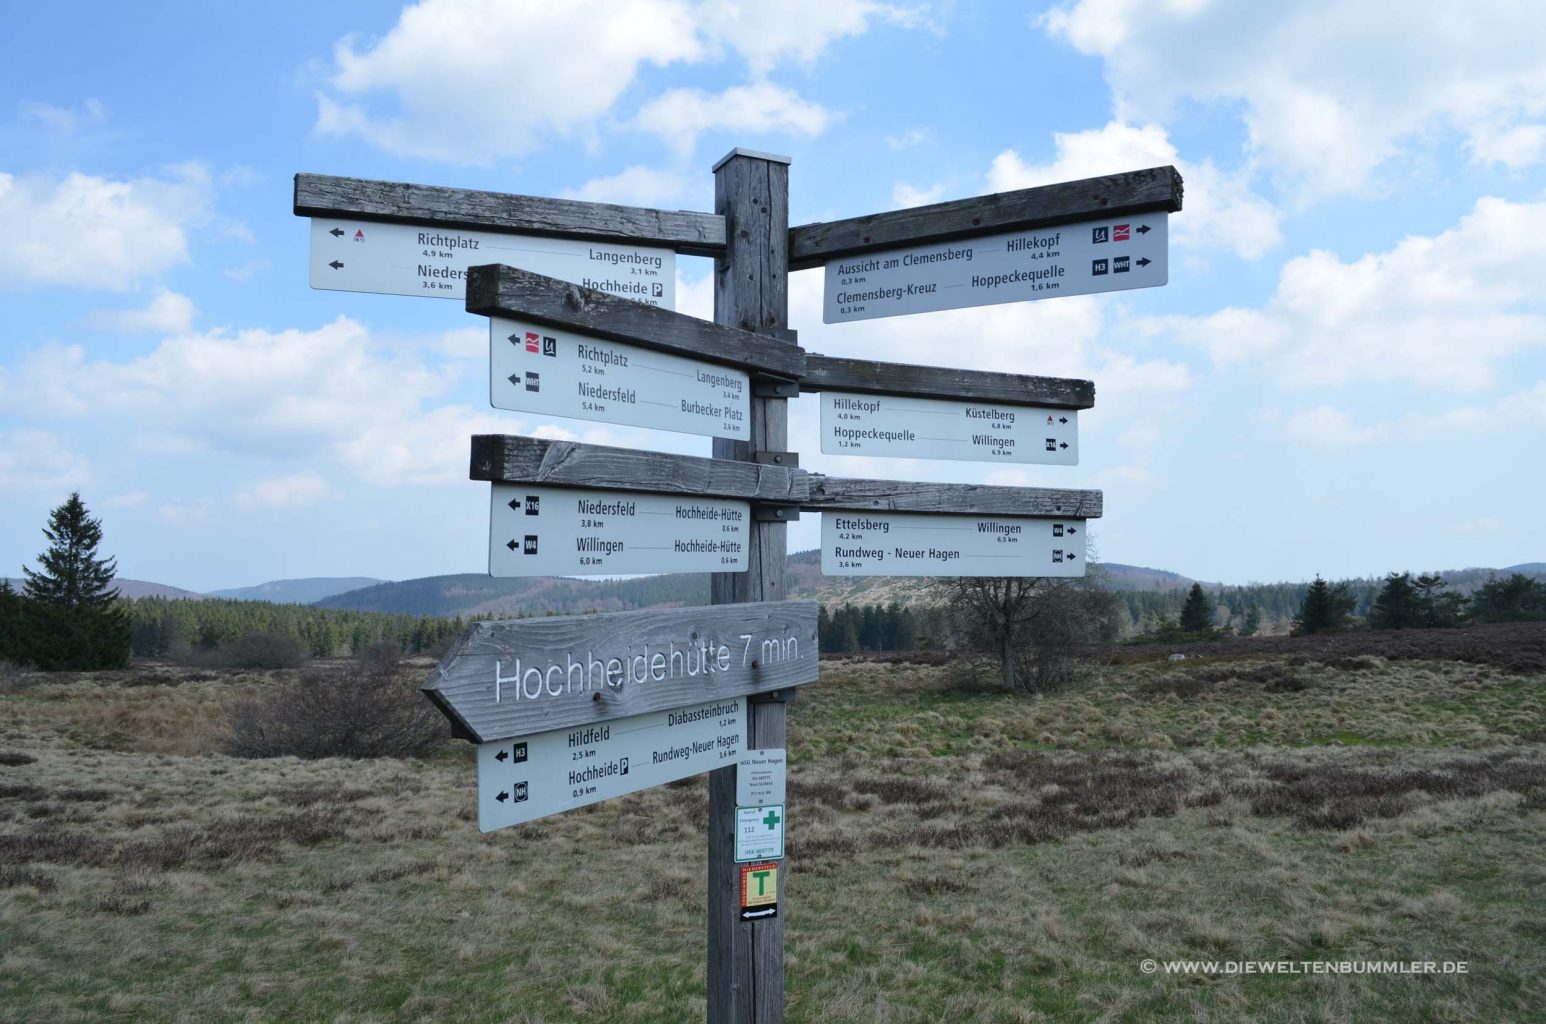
column 751, row 293
column 511, row 459
column 496, row 290
column 860, row 495
column 869, row 376
column 567, row 689
column 1157, row 188
column 322, row 195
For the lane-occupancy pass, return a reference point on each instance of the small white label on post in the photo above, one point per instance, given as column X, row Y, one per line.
column 759, row 778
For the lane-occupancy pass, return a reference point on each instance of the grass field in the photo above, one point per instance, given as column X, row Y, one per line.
column 952, row 856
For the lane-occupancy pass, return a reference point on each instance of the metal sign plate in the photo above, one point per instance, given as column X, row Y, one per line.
column 559, row 373
column 560, row 531
column 410, row 259
column 759, row 833
column 534, row 776
column 926, row 428
column 919, row 544
column 1112, row 254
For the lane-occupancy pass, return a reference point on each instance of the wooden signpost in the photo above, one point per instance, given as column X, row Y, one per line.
column 569, row 711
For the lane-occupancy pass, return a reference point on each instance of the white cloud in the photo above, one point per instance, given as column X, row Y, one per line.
column 66, row 119
column 131, row 499
column 167, row 313
column 87, row 231
column 906, row 196
column 247, row 271
column 1441, row 311
column 1520, row 412
column 1331, row 91
column 766, row 34
column 329, row 397
column 1220, row 208
column 186, row 511
column 294, row 491
column 38, row 462
column 681, row 115
column 910, row 138
column 474, row 80
column 648, row 186
column 471, row 81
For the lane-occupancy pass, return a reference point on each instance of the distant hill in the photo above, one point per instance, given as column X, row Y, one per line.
column 304, row 591
column 470, row 594
column 1528, row 568
column 134, row 589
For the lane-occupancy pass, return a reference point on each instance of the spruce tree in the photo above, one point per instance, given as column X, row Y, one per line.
column 1197, row 613
column 1397, row 605
column 1325, row 608
column 73, row 617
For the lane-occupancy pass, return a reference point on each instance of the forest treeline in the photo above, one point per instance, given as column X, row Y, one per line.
column 162, row 627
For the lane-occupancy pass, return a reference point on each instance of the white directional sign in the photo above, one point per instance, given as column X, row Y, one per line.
column 409, row 259
column 1107, row 255
column 559, row 373
column 550, row 772
column 919, row 544
column 561, row 531
column 926, row 428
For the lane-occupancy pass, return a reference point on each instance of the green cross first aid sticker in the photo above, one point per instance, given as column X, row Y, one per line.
column 759, row 833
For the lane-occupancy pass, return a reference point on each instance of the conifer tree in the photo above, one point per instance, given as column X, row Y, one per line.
column 1325, row 608
column 1197, row 613
column 72, row 612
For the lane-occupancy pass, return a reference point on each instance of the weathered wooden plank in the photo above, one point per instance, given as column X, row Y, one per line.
column 1157, row 188
column 511, row 459
column 322, row 195
column 496, row 290
column 523, row 676
column 860, row 495
column 868, row 376
column 751, row 293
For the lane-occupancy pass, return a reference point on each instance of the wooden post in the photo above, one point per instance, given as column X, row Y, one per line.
column 751, row 292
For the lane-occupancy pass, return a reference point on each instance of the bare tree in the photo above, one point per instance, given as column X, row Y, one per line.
column 1035, row 627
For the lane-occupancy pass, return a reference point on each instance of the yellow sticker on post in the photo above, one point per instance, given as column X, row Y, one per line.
column 759, row 891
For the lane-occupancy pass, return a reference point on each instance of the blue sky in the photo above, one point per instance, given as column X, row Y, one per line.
column 1346, row 374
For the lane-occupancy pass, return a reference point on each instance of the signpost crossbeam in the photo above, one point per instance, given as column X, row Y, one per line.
column 524, row 676
column 833, row 493
column 322, row 195
column 509, row 292
column 868, row 376
column 1157, row 188
column 512, row 459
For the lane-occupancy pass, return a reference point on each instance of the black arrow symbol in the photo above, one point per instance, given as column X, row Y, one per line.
column 502, row 797
column 515, row 504
column 1062, row 419
column 336, row 265
column 501, row 756
column 1072, row 531
column 515, row 379
column 512, row 545
column 515, row 339
column 1072, row 556
column 1145, row 262
column 1143, row 229
column 337, row 232
column 1064, row 444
